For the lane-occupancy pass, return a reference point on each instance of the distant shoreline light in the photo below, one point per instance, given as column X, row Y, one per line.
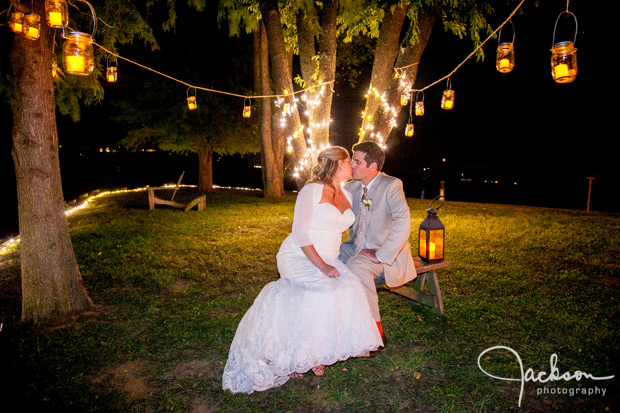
column 6, row 245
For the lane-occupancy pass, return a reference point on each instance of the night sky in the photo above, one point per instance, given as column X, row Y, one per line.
column 537, row 139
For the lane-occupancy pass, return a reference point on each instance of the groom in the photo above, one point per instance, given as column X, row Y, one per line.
column 378, row 247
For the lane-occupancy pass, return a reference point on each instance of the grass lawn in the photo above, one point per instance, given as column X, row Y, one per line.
column 171, row 287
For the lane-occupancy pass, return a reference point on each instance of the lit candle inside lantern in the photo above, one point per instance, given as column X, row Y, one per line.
column 504, row 64
column 33, row 33
column 247, row 111
column 448, row 104
column 75, row 63
column 55, row 19
column 17, row 27
column 431, row 250
column 561, row 70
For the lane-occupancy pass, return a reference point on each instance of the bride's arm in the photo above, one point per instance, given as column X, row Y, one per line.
column 316, row 259
column 309, row 196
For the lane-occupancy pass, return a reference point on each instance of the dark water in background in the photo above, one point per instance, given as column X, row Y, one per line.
column 82, row 173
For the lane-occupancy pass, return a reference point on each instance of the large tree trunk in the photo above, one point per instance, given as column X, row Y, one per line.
column 318, row 99
column 205, row 169
column 272, row 144
column 408, row 57
column 388, row 44
column 52, row 287
column 283, row 82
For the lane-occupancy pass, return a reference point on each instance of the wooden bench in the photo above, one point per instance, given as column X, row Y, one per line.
column 426, row 275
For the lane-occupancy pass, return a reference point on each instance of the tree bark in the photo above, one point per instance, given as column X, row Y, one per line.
column 205, row 169
column 386, row 51
column 408, row 57
column 52, row 286
column 272, row 144
column 283, row 82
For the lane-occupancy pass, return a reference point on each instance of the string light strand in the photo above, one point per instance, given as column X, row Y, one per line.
column 208, row 89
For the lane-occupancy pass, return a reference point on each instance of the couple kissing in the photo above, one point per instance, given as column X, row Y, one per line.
column 324, row 307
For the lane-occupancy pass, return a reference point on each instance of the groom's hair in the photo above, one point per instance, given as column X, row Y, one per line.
column 372, row 153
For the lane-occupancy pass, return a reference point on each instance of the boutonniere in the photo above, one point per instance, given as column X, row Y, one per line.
column 367, row 202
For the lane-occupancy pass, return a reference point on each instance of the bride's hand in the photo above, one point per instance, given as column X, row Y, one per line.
column 330, row 271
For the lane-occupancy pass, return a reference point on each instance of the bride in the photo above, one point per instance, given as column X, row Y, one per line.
column 316, row 314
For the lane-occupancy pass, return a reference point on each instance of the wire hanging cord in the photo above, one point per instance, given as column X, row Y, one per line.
column 207, row 89
column 475, row 50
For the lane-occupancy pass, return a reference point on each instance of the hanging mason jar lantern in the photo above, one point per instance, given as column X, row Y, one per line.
column 191, row 99
column 447, row 100
column 56, row 13
column 419, row 104
column 79, row 54
column 564, row 57
column 16, row 22
column 78, row 50
column 404, row 99
column 32, row 26
column 287, row 108
column 409, row 129
column 111, row 71
column 247, row 108
column 505, row 54
column 431, row 238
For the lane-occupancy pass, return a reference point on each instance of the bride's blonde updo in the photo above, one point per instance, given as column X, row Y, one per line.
column 327, row 164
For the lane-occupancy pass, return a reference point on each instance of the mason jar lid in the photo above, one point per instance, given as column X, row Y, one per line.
column 80, row 36
column 32, row 17
column 564, row 47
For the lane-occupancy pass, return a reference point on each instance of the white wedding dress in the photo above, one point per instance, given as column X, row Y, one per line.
column 305, row 318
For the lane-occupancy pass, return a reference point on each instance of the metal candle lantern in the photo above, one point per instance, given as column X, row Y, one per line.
column 32, row 26
column 431, row 241
column 564, row 57
column 78, row 49
column 56, row 13
column 505, row 55
column 447, row 99
column 16, row 23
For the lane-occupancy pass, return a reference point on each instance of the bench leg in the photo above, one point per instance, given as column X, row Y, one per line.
column 432, row 298
column 433, row 289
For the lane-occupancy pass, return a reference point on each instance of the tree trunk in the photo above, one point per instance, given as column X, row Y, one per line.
column 408, row 57
column 388, row 44
column 272, row 144
column 319, row 99
column 52, row 286
column 281, row 75
column 205, row 169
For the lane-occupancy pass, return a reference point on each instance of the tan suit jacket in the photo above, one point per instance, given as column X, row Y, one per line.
column 388, row 228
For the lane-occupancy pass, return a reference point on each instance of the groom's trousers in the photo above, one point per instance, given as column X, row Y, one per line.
column 367, row 272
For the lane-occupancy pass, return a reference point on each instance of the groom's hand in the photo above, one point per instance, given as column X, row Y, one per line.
column 371, row 254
